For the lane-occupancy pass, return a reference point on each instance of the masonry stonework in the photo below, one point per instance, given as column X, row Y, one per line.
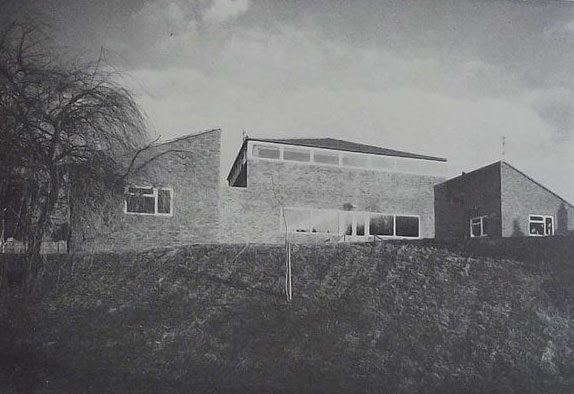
column 188, row 165
column 521, row 197
column 253, row 214
column 470, row 195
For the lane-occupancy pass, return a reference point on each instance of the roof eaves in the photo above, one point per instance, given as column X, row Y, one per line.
column 392, row 152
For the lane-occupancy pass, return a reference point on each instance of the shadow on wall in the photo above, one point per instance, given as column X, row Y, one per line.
column 562, row 220
column 516, row 230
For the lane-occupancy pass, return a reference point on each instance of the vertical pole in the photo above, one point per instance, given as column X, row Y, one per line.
column 290, row 275
column 288, row 285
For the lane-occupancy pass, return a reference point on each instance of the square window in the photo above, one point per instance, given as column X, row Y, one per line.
column 382, row 225
column 407, row 226
column 540, row 225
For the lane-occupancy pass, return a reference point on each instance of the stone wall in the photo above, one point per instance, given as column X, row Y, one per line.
column 470, row 195
column 188, row 165
column 252, row 214
column 522, row 196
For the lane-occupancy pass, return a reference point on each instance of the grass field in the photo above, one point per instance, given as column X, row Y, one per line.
column 403, row 317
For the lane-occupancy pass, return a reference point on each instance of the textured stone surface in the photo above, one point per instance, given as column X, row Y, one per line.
column 252, row 214
column 465, row 197
column 191, row 168
column 505, row 195
column 522, row 197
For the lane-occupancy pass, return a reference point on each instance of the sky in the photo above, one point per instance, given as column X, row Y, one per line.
column 447, row 78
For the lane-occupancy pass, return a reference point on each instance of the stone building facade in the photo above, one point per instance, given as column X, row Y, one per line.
column 321, row 190
column 173, row 199
column 499, row 201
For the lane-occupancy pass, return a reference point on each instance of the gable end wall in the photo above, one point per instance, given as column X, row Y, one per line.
column 522, row 197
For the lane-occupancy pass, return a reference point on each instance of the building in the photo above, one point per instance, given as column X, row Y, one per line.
column 499, row 201
column 318, row 190
column 172, row 199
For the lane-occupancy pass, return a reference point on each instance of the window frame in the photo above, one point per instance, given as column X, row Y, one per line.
column 155, row 195
column 483, row 232
column 356, row 218
column 543, row 222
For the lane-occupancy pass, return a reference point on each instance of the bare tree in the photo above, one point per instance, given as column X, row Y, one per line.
column 60, row 119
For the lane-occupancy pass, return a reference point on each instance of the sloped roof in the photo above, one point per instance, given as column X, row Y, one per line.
column 333, row 143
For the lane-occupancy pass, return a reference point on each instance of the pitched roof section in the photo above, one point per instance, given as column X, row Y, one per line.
column 332, row 143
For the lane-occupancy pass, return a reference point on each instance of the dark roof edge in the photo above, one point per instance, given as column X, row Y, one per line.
column 186, row 136
column 536, row 182
column 399, row 153
column 471, row 172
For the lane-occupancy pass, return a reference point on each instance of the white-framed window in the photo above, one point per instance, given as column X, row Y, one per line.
column 540, row 225
column 331, row 157
column 478, row 226
column 351, row 223
column 148, row 200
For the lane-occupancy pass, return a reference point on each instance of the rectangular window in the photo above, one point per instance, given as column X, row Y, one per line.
column 383, row 162
column 407, row 226
column 298, row 220
column 324, row 222
column 326, row 158
column 266, row 152
column 540, row 225
column 479, row 226
column 382, row 225
column 354, row 160
column 148, row 201
column 296, row 154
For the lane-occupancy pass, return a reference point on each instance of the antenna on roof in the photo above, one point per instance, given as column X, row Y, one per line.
column 503, row 146
column 243, row 135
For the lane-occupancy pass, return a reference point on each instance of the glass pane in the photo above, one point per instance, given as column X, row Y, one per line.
column 360, row 221
column 382, row 225
column 164, row 201
column 140, row 204
column 383, row 162
column 536, row 218
column 140, row 190
column 409, row 165
column 354, row 160
column 326, row 158
column 346, row 222
column 407, row 226
column 267, row 152
column 324, row 222
column 296, row 154
column 549, row 229
column 536, row 228
column 475, row 228
column 485, row 225
column 297, row 220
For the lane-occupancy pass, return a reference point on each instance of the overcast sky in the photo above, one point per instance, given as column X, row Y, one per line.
column 446, row 78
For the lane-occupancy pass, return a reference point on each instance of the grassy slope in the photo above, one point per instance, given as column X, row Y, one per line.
column 397, row 318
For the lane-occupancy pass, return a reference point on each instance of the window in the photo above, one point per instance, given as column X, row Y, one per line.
column 266, row 152
column 296, row 154
column 540, row 225
column 324, row 222
column 382, row 225
column 148, row 201
column 326, row 158
column 383, row 162
column 354, row 160
column 478, row 226
column 298, row 220
column 407, row 226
